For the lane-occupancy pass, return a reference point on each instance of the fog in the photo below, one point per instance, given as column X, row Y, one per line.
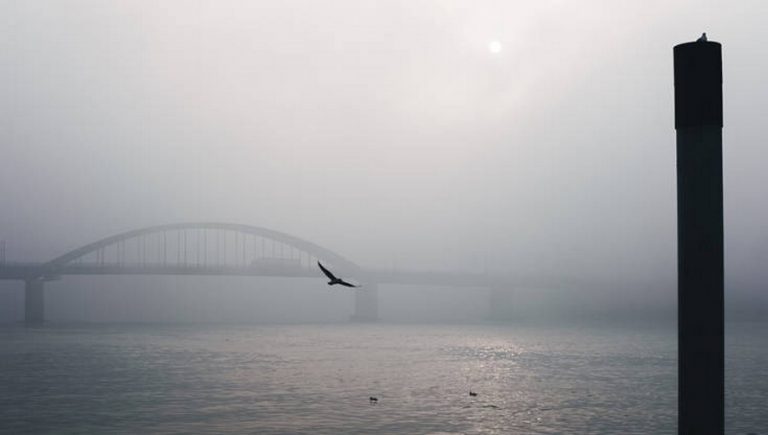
column 388, row 132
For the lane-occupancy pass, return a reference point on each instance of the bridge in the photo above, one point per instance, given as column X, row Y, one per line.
column 211, row 248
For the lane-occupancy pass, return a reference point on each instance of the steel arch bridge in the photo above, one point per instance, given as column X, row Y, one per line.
column 193, row 248
column 213, row 248
column 201, row 248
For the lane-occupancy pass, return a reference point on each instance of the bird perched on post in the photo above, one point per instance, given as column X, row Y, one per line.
column 703, row 37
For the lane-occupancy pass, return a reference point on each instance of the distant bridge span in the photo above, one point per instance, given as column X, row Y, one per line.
column 211, row 248
column 199, row 242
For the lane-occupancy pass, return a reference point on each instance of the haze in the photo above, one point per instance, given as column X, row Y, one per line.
column 531, row 138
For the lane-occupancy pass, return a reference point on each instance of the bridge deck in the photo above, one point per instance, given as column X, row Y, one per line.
column 24, row 271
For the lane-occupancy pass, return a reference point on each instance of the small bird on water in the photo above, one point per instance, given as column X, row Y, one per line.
column 703, row 37
column 373, row 400
column 333, row 279
column 472, row 393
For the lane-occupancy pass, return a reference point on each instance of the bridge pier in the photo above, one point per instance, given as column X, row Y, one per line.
column 34, row 301
column 500, row 303
column 366, row 303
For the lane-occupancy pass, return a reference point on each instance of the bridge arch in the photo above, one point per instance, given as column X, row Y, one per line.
column 310, row 248
column 79, row 261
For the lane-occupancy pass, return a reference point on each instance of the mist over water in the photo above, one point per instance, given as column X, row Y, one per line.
column 526, row 145
column 393, row 134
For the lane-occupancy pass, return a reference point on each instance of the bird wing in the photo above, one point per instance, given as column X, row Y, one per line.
column 326, row 272
column 346, row 284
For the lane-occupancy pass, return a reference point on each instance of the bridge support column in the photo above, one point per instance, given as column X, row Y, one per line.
column 366, row 303
column 500, row 303
column 34, row 301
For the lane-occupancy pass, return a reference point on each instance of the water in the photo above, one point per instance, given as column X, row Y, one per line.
column 317, row 379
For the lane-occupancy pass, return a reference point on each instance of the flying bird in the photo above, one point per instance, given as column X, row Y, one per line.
column 333, row 279
column 703, row 37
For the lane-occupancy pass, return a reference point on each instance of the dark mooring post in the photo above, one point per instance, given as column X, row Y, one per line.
column 699, row 124
column 34, row 301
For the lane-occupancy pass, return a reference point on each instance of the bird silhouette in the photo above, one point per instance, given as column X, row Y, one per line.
column 333, row 279
column 472, row 393
column 703, row 37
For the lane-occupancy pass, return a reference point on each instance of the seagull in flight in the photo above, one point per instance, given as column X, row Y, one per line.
column 333, row 279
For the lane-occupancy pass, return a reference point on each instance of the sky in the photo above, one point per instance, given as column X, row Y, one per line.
column 520, row 137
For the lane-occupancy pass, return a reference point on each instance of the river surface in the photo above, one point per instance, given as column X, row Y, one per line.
column 282, row 379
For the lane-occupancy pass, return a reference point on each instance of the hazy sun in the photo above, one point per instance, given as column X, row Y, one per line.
column 494, row 46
